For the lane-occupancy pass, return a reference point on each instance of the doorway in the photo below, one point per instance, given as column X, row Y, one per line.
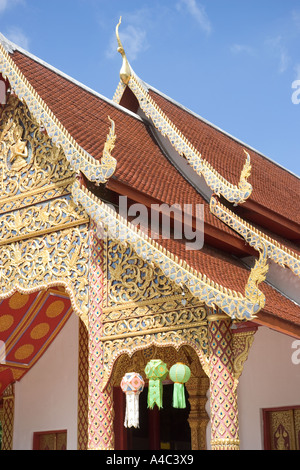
column 160, row 429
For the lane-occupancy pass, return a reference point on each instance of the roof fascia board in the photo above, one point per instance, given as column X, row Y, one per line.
column 227, row 134
column 258, row 240
column 277, row 324
column 10, row 47
column 219, row 185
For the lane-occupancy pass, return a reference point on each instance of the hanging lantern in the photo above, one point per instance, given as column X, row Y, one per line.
column 156, row 371
column 132, row 385
column 179, row 374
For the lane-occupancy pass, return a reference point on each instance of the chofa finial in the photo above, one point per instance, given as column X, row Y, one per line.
column 125, row 71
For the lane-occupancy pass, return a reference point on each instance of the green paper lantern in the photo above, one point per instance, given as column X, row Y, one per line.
column 156, row 371
column 179, row 374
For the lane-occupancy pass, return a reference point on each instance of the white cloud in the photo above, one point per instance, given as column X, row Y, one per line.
column 297, row 70
column 17, row 36
column 5, row 4
column 242, row 48
column 133, row 34
column 279, row 51
column 296, row 18
column 133, row 39
column 198, row 13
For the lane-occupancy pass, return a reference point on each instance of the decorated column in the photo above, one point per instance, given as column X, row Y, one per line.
column 8, row 418
column 100, row 425
column 223, row 397
column 198, row 418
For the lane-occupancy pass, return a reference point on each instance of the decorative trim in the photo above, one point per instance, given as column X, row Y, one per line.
column 225, row 444
column 11, row 203
column 83, row 387
column 78, row 158
column 242, row 342
column 234, row 304
column 119, row 92
column 40, row 219
column 100, row 401
column 8, row 417
column 218, row 184
column 223, row 396
column 258, row 240
column 56, row 259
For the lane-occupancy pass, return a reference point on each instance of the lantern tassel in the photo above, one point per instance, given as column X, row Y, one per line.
column 178, row 396
column 132, row 411
column 155, row 394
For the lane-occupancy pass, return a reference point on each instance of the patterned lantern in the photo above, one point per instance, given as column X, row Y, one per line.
column 156, row 371
column 179, row 374
column 132, row 385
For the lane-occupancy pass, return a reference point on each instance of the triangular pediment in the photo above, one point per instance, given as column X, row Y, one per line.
column 30, row 164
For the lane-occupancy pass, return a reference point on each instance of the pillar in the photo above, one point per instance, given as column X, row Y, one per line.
column 198, row 419
column 223, row 396
column 100, row 403
column 8, row 418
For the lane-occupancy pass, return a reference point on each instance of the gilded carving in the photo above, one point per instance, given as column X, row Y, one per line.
column 58, row 258
column 257, row 276
column 33, row 171
column 242, row 342
column 40, row 219
column 218, row 184
column 78, row 158
column 132, row 279
column 258, row 240
column 212, row 294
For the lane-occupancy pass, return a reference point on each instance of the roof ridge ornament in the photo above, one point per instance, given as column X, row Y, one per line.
column 125, row 72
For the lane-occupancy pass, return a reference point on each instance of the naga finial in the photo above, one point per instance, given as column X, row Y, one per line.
column 125, row 71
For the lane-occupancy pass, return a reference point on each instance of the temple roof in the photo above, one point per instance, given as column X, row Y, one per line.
column 145, row 174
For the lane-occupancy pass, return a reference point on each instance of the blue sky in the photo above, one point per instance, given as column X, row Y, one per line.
column 231, row 61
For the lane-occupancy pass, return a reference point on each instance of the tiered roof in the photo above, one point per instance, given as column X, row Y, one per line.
column 145, row 173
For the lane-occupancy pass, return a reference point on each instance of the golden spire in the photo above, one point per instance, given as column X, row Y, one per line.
column 125, row 71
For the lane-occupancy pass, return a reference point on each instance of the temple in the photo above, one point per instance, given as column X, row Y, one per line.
column 150, row 265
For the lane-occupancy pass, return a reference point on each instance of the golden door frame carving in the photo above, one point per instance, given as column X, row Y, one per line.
column 143, row 308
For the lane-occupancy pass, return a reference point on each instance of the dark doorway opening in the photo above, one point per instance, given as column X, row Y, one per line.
column 167, row 428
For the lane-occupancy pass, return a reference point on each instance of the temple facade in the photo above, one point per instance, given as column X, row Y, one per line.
column 137, row 239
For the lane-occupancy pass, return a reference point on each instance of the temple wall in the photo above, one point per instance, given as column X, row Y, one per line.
column 270, row 379
column 46, row 398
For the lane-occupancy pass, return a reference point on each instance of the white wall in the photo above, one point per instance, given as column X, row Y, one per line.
column 46, row 397
column 270, row 379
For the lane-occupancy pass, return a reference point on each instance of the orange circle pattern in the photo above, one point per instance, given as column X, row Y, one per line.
column 18, row 301
column 55, row 309
column 23, row 352
column 6, row 321
column 40, row 331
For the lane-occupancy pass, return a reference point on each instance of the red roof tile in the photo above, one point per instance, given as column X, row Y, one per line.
column 140, row 162
column 142, row 166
